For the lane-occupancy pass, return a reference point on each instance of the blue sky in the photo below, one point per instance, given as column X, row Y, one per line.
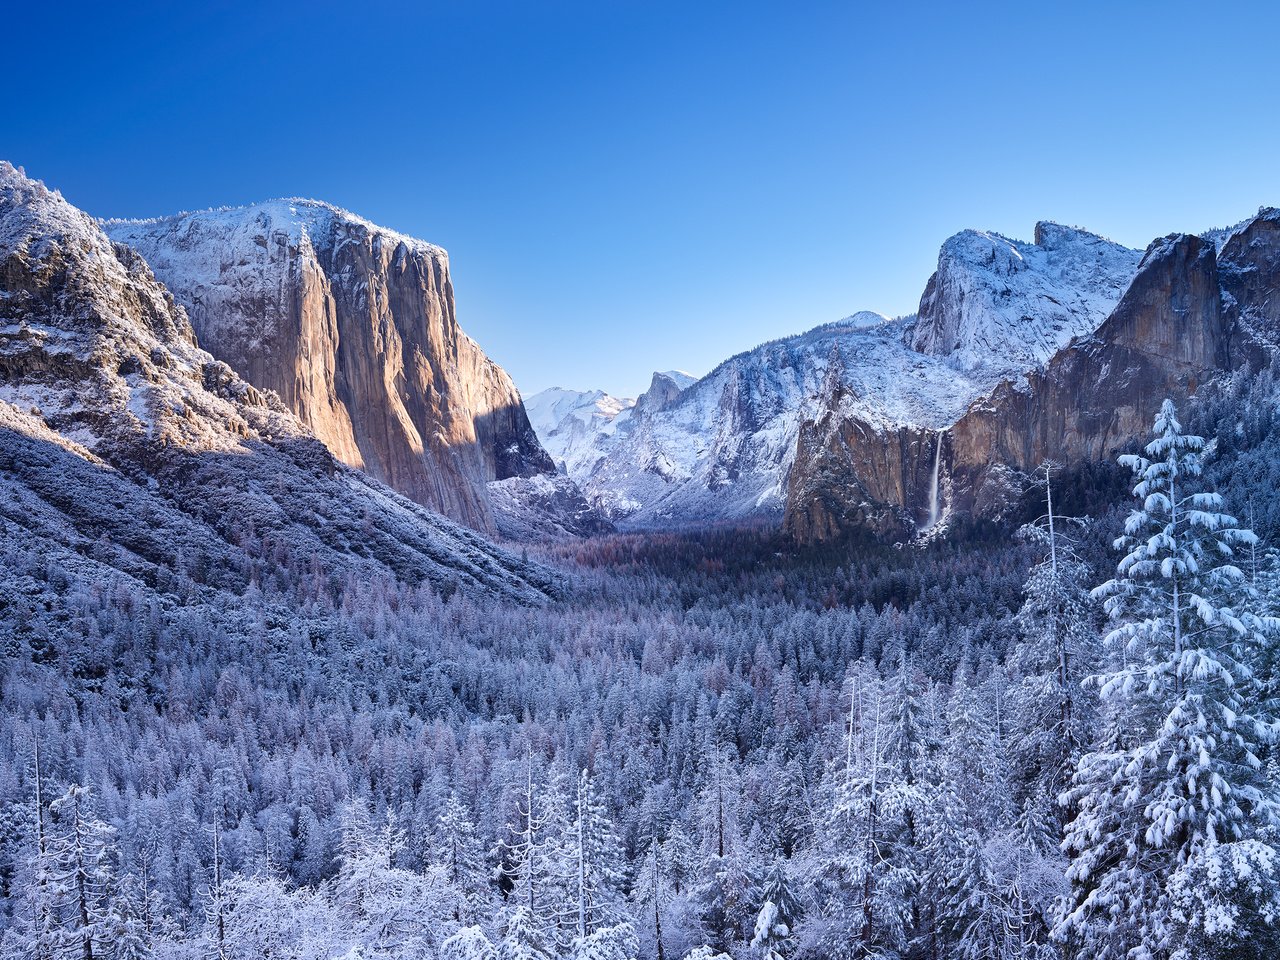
column 626, row 187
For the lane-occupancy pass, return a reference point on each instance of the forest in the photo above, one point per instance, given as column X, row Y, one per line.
column 1049, row 736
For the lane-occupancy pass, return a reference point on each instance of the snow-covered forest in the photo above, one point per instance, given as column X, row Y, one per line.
column 1051, row 737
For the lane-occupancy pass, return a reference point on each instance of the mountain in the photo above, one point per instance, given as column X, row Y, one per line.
column 1196, row 308
column 725, row 448
column 999, row 303
column 354, row 326
column 568, row 423
column 128, row 451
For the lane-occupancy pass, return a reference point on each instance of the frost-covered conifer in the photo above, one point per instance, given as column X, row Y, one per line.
column 1173, row 846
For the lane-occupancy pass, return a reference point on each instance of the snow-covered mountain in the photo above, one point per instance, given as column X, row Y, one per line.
column 568, row 423
column 354, row 326
column 126, row 447
column 1005, row 305
column 722, row 448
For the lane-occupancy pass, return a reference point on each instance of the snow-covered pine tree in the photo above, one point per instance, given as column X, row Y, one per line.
column 862, row 867
column 461, row 854
column 779, row 910
column 1053, row 723
column 523, row 939
column 1173, row 846
column 80, row 875
column 594, row 855
column 469, row 943
column 617, row 942
column 536, row 861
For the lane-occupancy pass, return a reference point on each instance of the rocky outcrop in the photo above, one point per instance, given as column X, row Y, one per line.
column 1249, row 271
column 997, row 302
column 851, row 475
column 1188, row 315
column 355, row 327
column 664, row 390
column 124, row 442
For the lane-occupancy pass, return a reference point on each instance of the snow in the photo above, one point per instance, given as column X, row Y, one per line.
column 680, row 378
column 568, row 423
column 296, row 216
column 219, row 260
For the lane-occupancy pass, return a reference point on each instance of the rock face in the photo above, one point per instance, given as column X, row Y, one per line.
column 123, row 444
column 1249, row 271
column 354, row 326
column 1188, row 315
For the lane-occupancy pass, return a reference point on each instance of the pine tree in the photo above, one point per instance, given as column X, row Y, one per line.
column 1173, row 844
column 462, row 856
column 594, row 856
column 469, row 943
column 537, row 863
column 81, row 852
column 779, row 911
column 523, row 939
column 1058, row 650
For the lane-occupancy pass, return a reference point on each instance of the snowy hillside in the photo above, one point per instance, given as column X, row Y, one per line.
column 569, row 422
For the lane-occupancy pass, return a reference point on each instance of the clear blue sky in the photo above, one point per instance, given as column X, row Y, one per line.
column 634, row 186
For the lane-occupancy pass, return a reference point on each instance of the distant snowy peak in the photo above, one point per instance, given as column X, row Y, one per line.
column 864, row 318
column 1006, row 304
column 570, row 423
column 664, row 390
column 548, row 408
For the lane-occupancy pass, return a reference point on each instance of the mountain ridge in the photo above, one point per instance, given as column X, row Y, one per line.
column 993, row 315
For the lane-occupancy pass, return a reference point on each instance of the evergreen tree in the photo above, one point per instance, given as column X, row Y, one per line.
column 1058, row 649
column 461, row 854
column 469, row 943
column 1173, row 845
column 81, row 854
column 537, row 861
column 594, row 856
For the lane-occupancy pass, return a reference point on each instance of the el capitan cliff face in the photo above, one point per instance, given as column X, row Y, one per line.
column 355, row 328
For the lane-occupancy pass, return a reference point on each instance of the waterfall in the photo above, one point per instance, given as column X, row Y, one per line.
column 935, row 506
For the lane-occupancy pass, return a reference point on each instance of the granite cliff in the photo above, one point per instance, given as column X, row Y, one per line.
column 354, row 326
